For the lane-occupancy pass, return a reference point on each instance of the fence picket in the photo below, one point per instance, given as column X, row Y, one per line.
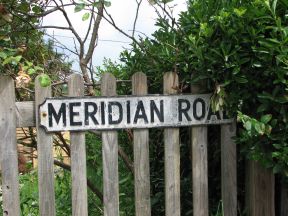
column 110, row 156
column 141, row 155
column 229, row 169
column 261, row 190
column 78, row 156
column 45, row 156
column 172, row 155
column 199, row 166
column 8, row 148
column 19, row 114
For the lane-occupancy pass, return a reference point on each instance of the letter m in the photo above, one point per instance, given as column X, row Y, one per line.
column 57, row 116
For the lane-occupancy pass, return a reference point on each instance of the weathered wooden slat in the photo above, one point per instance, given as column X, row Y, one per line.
column 199, row 165
column 25, row 114
column 284, row 199
column 172, row 155
column 229, row 169
column 110, row 156
column 78, row 156
column 45, row 157
column 141, row 155
column 8, row 148
column 261, row 190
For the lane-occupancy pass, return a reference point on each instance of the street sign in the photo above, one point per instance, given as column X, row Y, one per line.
column 106, row 113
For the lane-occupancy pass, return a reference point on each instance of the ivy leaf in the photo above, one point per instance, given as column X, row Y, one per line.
column 268, row 129
column 96, row 4
column 79, row 7
column 31, row 71
column 85, row 16
column 17, row 58
column 266, row 118
column 248, row 125
column 3, row 55
column 12, row 59
column 37, row 68
column 45, row 80
column 107, row 3
column 260, row 128
column 241, row 79
column 262, row 108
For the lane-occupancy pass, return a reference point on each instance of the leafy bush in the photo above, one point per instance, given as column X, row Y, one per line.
column 239, row 49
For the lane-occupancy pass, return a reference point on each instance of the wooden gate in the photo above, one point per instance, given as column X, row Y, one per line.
column 25, row 114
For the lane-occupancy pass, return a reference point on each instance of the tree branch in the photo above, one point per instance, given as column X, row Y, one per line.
column 136, row 17
column 94, row 36
column 126, row 159
column 89, row 183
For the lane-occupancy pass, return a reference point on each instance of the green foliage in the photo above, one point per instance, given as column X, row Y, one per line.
column 95, row 174
column 44, row 80
column 23, row 52
column 239, row 49
column 29, row 198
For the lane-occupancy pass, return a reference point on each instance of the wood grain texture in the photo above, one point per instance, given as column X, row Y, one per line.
column 284, row 199
column 172, row 155
column 199, row 164
column 141, row 155
column 8, row 148
column 25, row 114
column 261, row 190
column 45, row 157
column 78, row 155
column 229, row 169
column 110, row 156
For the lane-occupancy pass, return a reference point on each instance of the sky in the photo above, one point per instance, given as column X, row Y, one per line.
column 110, row 42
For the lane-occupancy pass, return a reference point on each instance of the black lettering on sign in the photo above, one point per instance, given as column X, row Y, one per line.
column 57, row 116
column 128, row 112
column 110, row 112
column 203, row 113
column 74, row 114
column 211, row 113
column 102, row 113
column 159, row 112
column 183, row 110
column 90, row 114
column 140, row 113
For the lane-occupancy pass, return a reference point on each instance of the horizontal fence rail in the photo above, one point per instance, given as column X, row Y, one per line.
column 25, row 114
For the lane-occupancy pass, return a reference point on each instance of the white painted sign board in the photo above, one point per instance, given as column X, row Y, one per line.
column 106, row 113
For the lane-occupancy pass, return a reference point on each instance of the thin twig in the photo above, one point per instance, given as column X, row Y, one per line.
column 136, row 17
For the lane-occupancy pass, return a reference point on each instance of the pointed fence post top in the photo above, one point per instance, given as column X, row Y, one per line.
column 170, row 82
column 108, row 84
column 139, row 84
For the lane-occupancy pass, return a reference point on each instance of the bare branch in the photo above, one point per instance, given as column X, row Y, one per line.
column 126, row 159
column 62, row 9
column 90, row 24
column 94, row 36
column 136, row 17
column 54, row 27
column 111, row 21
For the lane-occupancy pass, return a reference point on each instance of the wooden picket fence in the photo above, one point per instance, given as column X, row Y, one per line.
column 25, row 114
